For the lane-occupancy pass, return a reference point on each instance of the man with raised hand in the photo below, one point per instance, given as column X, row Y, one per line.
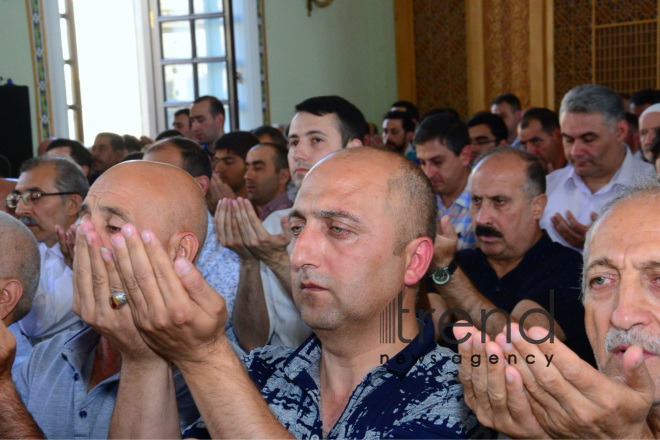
column 69, row 383
column 354, row 253
column 264, row 312
column 566, row 397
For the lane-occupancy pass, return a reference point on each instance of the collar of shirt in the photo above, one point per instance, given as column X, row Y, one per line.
column 53, row 251
column 78, row 348
column 624, row 174
column 463, row 201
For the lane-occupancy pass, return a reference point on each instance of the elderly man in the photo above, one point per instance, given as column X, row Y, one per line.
column 649, row 122
column 569, row 398
column 69, row 383
column 48, row 195
column 593, row 127
column 517, row 273
column 539, row 134
column 264, row 311
column 20, row 263
column 354, row 254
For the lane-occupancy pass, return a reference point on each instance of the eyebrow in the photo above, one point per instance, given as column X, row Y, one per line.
column 648, row 265
column 84, row 209
column 602, row 262
column 326, row 214
column 256, row 162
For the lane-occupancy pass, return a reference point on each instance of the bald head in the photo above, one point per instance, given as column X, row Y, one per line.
column 155, row 196
column 408, row 196
column 19, row 259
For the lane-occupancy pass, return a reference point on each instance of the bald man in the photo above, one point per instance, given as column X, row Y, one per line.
column 354, row 254
column 649, row 122
column 69, row 383
column 20, row 263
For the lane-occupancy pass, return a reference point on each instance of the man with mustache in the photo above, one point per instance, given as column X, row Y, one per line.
column 444, row 153
column 398, row 130
column 622, row 316
column 593, row 127
column 264, row 312
column 48, row 194
column 517, row 273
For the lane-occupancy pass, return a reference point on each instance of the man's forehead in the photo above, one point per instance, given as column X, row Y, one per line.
column 303, row 123
column 431, row 148
column 41, row 175
column 498, row 175
column 480, row 130
column 201, row 108
column 649, row 119
column 224, row 154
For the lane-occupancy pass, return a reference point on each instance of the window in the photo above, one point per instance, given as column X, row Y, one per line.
column 71, row 75
column 194, row 55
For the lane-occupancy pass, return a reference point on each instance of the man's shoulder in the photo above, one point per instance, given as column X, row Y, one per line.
column 273, row 224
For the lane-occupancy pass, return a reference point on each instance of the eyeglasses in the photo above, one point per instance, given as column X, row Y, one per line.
column 483, row 142
column 30, row 197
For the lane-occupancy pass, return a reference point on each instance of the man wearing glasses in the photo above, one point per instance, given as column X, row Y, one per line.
column 486, row 131
column 49, row 193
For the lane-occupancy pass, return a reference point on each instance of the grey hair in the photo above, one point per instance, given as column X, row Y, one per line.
column 69, row 176
column 535, row 178
column 594, row 99
column 647, row 188
column 20, row 259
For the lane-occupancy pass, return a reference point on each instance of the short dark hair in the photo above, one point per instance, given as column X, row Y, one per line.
column 535, row 182
column 134, row 155
column 272, row 132
column 131, row 143
column 167, row 134
column 116, row 141
column 643, row 97
column 280, row 160
column 633, row 121
column 510, row 99
column 436, row 111
column 351, row 119
column 411, row 109
column 215, row 105
column 69, row 177
column 547, row 118
column 237, row 142
column 494, row 122
column 79, row 153
column 444, row 127
column 406, row 120
column 183, row 111
column 194, row 159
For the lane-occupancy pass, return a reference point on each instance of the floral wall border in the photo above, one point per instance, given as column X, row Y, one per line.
column 39, row 63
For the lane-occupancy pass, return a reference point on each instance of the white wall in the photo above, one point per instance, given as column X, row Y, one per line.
column 345, row 49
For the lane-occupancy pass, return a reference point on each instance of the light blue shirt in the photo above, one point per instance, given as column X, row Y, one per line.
column 53, row 385
column 23, row 348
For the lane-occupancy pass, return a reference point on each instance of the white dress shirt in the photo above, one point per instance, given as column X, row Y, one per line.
column 286, row 326
column 51, row 310
column 567, row 192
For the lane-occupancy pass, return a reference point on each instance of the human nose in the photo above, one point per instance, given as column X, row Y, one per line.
column 631, row 308
column 484, row 214
column 305, row 249
column 300, row 152
column 21, row 207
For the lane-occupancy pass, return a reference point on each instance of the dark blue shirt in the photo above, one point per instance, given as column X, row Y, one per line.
column 547, row 267
column 415, row 394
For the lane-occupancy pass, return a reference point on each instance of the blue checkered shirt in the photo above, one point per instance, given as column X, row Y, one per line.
column 459, row 213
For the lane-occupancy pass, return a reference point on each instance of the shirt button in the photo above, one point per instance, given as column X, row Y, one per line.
column 76, row 377
column 82, row 414
column 314, row 437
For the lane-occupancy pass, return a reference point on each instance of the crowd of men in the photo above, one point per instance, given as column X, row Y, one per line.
column 450, row 278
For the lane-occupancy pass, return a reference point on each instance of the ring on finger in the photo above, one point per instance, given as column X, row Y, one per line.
column 118, row 300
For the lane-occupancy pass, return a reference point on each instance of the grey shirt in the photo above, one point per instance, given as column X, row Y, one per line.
column 53, row 386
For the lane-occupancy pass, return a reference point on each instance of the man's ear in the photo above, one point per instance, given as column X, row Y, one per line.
column 409, row 137
column 354, row 143
column 220, row 120
column 11, row 291
column 203, row 183
column 72, row 206
column 419, row 254
column 465, row 156
column 538, row 205
column 502, row 143
column 621, row 130
column 185, row 245
column 283, row 176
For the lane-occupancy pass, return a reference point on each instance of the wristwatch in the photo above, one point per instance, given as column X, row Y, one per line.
column 443, row 275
